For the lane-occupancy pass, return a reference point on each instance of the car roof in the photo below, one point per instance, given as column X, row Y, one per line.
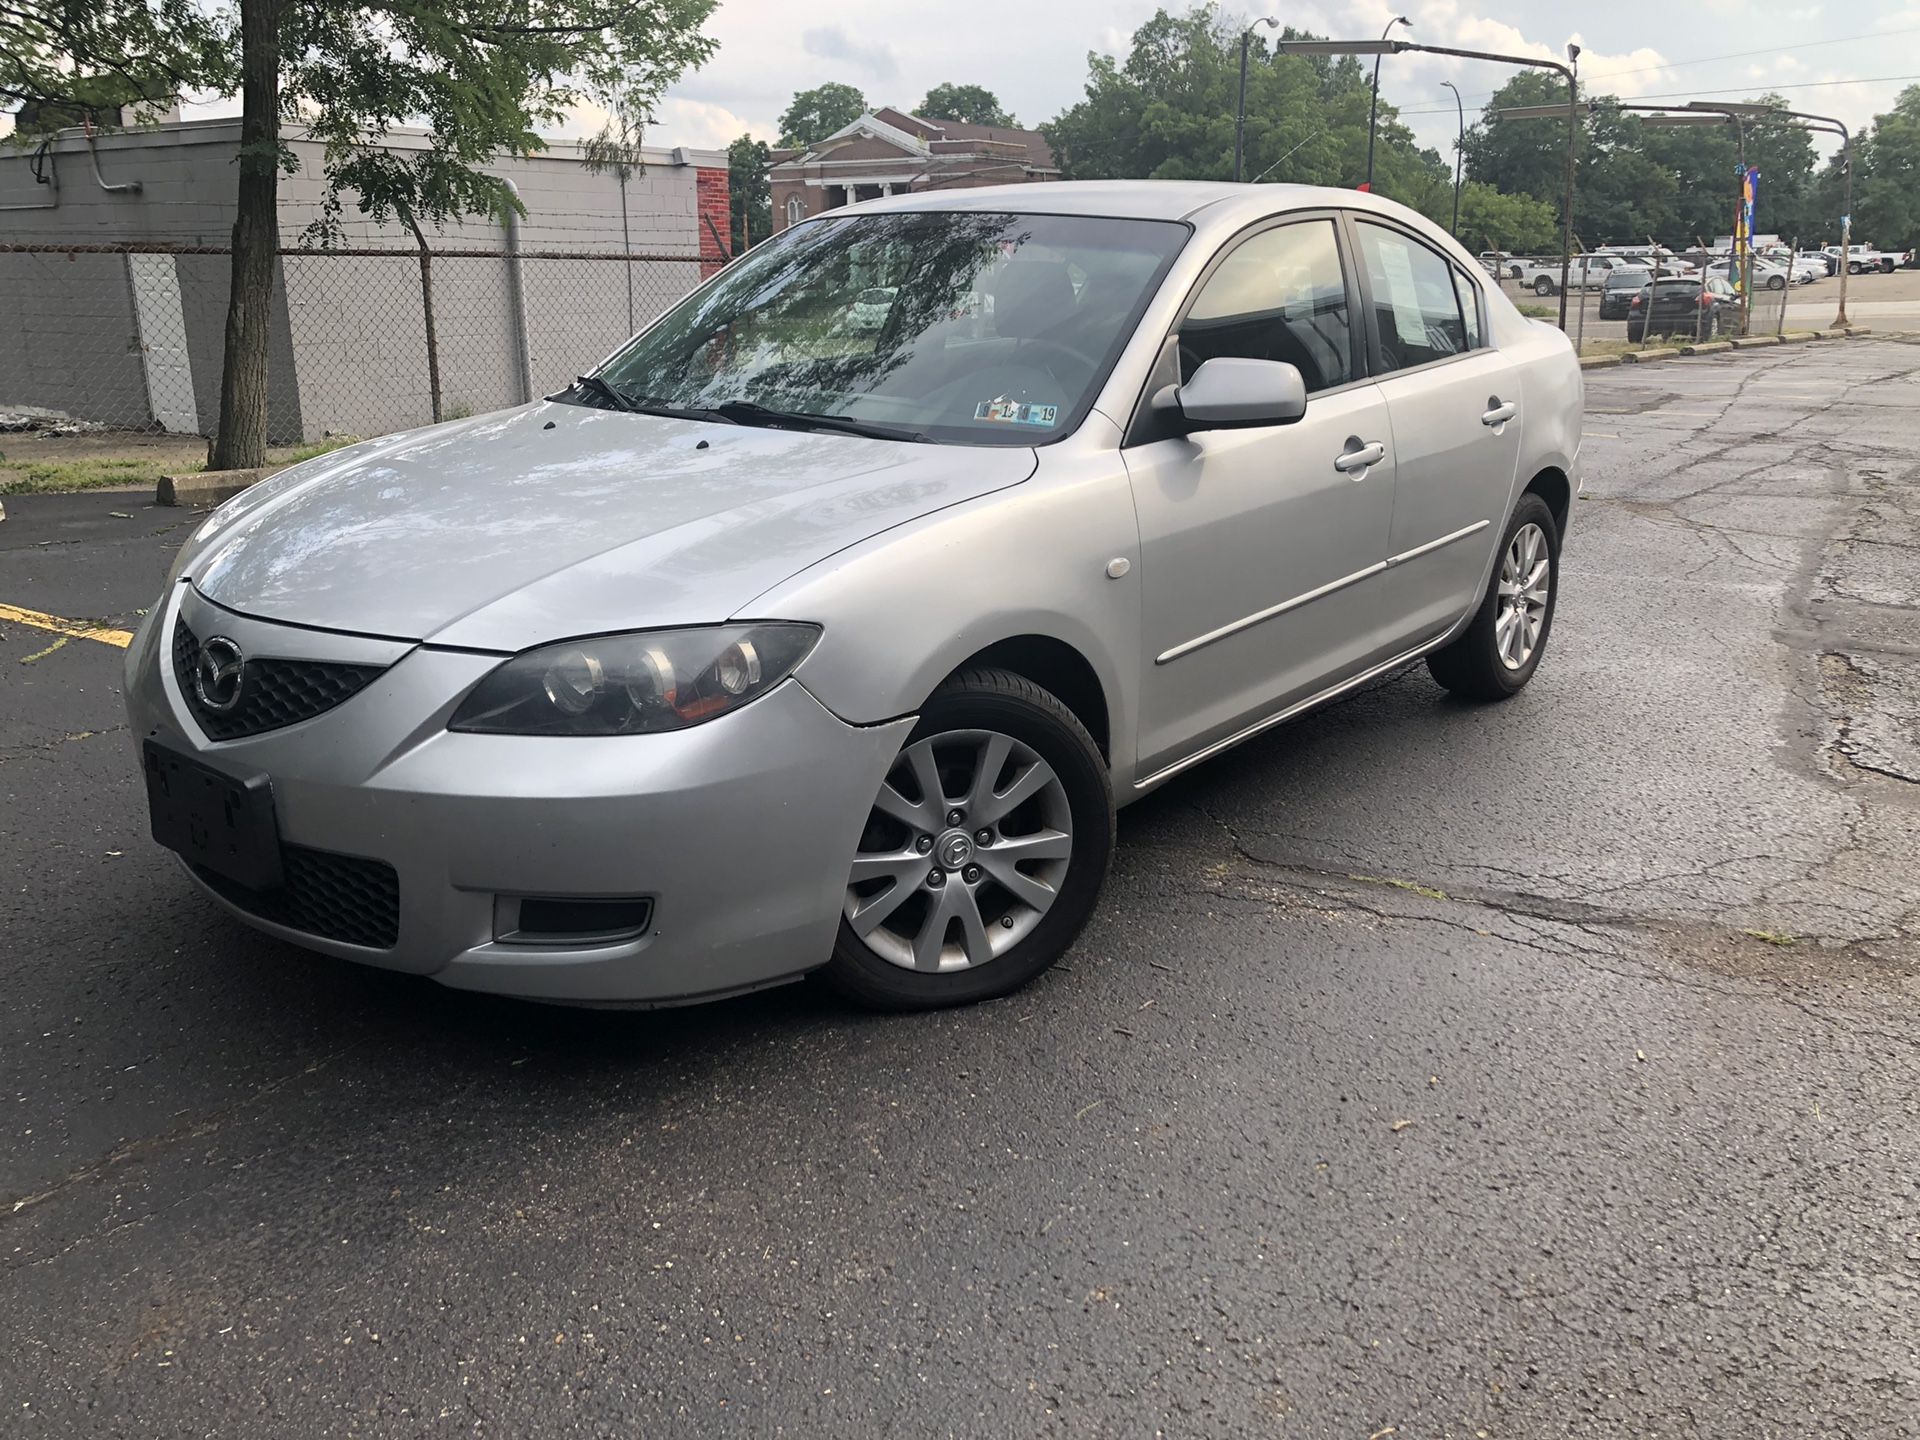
column 1126, row 199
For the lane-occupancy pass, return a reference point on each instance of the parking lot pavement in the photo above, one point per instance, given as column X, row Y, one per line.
column 1428, row 1070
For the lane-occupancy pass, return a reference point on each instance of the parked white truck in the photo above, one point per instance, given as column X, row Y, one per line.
column 1863, row 259
column 1589, row 272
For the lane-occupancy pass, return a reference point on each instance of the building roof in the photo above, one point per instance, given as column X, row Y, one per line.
column 921, row 139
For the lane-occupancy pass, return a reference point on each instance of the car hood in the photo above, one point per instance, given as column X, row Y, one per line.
column 553, row 520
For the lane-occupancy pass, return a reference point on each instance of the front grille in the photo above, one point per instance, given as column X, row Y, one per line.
column 347, row 898
column 273, row 693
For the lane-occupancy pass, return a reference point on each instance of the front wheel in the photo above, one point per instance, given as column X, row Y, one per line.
column 1543, row 286
column 1499, row 651
column 1776, row 282
column 983, row 854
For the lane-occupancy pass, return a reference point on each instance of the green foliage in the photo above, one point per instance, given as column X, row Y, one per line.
column 1492, row 221
column 89, row 56
column 819, row 112
column 749, row 192
column 1635, row 181
column 1166, row 112
column 1886, row 180
column 974, row 104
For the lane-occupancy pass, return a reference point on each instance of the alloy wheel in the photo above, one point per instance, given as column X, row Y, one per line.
column 965, row 850
column 1526, row 574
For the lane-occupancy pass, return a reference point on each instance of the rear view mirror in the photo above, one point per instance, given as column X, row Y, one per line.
column 1230, row 393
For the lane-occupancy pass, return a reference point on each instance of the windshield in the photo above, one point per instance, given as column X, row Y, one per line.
column 983, row 329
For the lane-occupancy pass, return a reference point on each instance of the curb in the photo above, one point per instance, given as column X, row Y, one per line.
column 208, row 487
column 1715, row 347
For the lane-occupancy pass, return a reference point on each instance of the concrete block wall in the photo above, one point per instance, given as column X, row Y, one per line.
column 349, row 345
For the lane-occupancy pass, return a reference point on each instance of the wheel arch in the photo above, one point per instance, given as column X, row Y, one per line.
column 1056, row 667
column 1553, row 486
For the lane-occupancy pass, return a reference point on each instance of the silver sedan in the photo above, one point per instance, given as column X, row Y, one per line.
column 785, row 642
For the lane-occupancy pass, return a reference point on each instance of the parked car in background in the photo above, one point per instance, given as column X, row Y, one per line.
column 1659, row 258
column 1766, row 275
column 1698, row 308
column 1497, row 263
column 1616, row 297
column 779, row 643
column 871, row 308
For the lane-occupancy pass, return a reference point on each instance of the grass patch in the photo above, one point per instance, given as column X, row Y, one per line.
column 27, row 474
column 1772, row 937
column 1538, row 312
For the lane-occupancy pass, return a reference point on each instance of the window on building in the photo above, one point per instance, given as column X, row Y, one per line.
column 1280, row 295
column 796, row 209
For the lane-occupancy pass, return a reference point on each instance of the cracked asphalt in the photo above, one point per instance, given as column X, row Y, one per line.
column 1540, row 1070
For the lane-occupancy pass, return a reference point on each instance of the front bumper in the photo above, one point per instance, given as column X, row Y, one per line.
column 740, row 831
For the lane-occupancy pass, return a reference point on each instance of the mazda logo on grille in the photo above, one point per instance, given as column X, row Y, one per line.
column 218, row 673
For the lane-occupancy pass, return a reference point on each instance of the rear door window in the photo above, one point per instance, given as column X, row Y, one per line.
column 1416, row 310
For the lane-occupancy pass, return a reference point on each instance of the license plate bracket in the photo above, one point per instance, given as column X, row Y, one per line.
column 222, row 822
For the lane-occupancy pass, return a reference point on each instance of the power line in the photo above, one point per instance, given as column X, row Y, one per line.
column 1587, row 80
column 1736, row 90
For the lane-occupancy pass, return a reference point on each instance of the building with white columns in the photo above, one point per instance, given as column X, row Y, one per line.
column 887, row 152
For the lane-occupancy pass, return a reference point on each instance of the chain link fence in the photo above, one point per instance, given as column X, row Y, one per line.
column 362, row 341
column 1602, row 320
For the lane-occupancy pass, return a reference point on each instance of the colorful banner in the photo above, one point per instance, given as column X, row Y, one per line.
column 1743, row 226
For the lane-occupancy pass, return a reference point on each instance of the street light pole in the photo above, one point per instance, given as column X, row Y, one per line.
column 1240, row 111
column 1833, row 126
column 1459, row 153
column 1373, row 112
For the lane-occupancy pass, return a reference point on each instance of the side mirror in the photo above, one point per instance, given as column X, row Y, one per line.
column 1230, row 393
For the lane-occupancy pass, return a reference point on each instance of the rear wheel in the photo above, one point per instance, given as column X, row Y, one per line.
column 1499, row 651
column 1542, row 285
column 983, row 854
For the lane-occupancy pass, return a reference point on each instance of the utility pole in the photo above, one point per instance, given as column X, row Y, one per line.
column 1459, row 154
column 1240, row 111
column 1373, row 112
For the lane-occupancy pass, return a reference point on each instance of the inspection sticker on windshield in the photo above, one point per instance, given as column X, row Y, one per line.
column 1017, row 412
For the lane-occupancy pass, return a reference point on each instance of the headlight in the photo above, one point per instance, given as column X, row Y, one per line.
column 634, row 684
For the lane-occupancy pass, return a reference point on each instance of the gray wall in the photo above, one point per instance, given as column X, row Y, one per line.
column 348, row 333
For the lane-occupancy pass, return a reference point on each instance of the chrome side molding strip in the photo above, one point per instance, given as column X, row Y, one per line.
column 1318, row 698
column 1432, row 545
column 1200, row 642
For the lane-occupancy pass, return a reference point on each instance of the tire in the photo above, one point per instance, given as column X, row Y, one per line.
column 1542, row 285
column 1854, row 267
column 1474, row 666
column 1886, row 267
column 1515, row 273
column 887, row 955
column 1776, row 282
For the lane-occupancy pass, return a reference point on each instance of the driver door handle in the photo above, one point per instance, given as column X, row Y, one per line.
column 1497, row 413
column 1359, row 458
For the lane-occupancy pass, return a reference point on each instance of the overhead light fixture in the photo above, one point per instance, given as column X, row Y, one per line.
column 1340, row 47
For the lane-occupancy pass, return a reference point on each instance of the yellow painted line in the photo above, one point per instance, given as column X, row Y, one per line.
column 76, row 629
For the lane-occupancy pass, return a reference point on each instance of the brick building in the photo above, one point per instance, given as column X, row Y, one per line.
column 888, row 151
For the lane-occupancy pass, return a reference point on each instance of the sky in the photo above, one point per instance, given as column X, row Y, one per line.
column 1846, row 60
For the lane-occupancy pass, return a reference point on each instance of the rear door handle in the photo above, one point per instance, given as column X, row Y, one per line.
column 1497, row 413
column 1357, row 459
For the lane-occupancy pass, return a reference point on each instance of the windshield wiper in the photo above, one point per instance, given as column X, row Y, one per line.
column 604, row 388
column 746, row 412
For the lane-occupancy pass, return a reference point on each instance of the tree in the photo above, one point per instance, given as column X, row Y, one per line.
column 481, row 74
column 974, row 104
column 820, row 112
column 749, row 192
column 1166, row 111
column 1886, row 178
